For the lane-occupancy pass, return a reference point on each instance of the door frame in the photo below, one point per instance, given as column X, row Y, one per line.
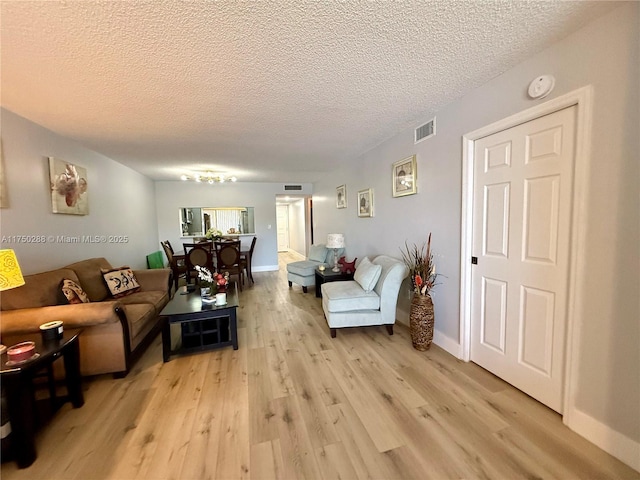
column 286, row 207
column 582, row 98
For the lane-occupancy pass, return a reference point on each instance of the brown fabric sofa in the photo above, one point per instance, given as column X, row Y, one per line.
column 115, row 331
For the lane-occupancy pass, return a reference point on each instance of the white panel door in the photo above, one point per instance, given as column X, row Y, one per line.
column 282, row 219
column 523, row 180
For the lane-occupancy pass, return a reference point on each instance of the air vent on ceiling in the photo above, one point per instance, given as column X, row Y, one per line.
column 288, row 188
column 426, row 131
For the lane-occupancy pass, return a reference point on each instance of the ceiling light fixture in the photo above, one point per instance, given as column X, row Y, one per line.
column 209, row 177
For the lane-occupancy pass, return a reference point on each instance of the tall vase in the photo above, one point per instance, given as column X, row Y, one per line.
column 421, row 322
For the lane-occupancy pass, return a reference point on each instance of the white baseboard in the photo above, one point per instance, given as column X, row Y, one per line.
column 446, row 343
column 615, row 443
column 265, row 268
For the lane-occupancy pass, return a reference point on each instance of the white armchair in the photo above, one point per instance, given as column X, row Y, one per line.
column 369, row 299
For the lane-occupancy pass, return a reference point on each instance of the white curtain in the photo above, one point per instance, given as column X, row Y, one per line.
column 227, row 219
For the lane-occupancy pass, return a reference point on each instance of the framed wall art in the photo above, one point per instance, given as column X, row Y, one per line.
column 405, row 177
column 69, row 187
column 341, row 196
column 365, row 203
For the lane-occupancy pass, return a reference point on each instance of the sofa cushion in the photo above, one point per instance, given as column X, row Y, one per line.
column 156, row 298
column 304, row 268
column 90, row 276
column 348, row 296
column 367, row 274
column 317, row 253
column 139, row 316
column 121, row 281
column 72, row 293
column 39, row 290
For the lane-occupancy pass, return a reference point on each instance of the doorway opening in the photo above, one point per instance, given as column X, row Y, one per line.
column 582, row 99
column 294, row 223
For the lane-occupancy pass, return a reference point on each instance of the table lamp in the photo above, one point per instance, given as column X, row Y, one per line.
column 10, row 274
column 335, row 241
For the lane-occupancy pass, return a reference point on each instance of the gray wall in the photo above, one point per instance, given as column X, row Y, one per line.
column 121, row 202
column 297, row 231
column 171, row 196
column 603, row 54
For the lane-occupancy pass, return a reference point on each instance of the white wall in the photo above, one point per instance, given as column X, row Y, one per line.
column 171, row 196
column 121, row 202
column 605, row 55
column 297, row 236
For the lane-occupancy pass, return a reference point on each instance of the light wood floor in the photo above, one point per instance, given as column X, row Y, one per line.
column 292, row 403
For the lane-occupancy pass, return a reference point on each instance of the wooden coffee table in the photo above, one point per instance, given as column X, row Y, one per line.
column 17, row 379
column 203, row 326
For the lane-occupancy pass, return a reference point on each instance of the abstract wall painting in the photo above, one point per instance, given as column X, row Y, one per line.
column 69, row 187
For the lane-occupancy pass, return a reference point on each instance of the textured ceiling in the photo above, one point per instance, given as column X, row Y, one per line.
column 269, row 91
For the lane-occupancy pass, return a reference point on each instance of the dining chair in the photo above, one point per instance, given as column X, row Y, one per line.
column 177, row 263
column 246, row 257
column 228, row 259
column 198, row 256
column 206, row 245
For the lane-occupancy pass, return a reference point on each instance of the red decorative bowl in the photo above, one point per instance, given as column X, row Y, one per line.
column 21, row 351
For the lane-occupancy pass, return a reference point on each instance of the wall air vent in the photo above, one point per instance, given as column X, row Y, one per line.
column 425, row 131
column 289, row 188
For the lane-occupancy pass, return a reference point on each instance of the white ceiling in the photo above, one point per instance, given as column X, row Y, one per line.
column 268, row 91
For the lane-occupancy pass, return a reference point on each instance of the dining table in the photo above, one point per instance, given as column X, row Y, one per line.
column 245, row 253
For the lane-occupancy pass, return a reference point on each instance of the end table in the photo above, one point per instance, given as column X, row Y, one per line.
column 328, row 275
column 17, row 379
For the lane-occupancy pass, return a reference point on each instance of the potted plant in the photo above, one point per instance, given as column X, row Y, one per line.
column 211, row 283
column 422, row 272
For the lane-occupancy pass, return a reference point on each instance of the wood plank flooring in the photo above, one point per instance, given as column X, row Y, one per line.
column 293, row 403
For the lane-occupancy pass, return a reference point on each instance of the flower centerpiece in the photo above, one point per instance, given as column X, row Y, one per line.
column 222, row 281
column 206, row 281
column 213, row 234
column 422, row 271
column 211, row 283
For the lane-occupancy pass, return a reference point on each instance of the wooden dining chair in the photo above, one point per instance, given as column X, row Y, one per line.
column 245, row 258
column 228, row 260
column 198, row 256
column 206, row 245
column 176, row 263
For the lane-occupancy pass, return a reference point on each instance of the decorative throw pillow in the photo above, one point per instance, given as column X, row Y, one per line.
column 73, row 292
column 121, row 281
column 317, row 253
column 367, row 274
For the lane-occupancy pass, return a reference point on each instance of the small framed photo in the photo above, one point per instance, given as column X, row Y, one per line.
column 405, row 177
column 365, row 203
column 341, row 196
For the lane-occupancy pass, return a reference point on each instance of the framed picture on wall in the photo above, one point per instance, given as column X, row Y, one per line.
column 365, row 203
column 341, row 196
column 69, row 187
column 405, row 177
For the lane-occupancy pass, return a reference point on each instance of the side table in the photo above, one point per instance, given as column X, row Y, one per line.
column 17, row 380
column 328, row 275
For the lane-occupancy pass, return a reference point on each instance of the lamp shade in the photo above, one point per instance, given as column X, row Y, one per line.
column 335, row 240
column 10, row 274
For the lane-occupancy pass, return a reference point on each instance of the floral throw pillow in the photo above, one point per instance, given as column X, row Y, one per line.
column 73, row 292
column 121, row 281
